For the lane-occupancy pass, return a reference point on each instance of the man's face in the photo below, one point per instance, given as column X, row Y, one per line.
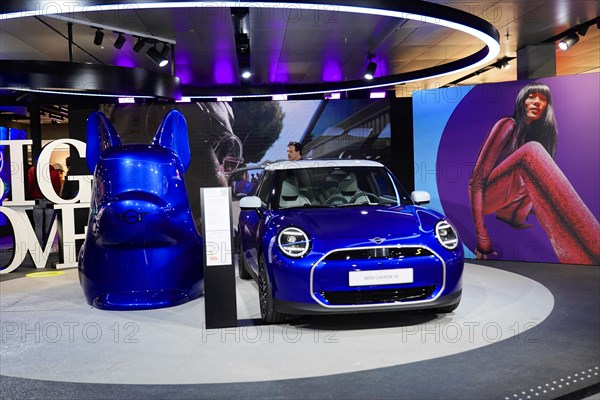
column 292, row 154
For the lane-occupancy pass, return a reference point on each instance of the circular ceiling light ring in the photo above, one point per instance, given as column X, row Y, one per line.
column 430, row 13
column 81, row 79
column 322, row 88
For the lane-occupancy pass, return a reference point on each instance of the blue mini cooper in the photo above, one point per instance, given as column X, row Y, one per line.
column 340, row 236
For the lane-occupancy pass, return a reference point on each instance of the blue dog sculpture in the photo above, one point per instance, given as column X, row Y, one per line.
column 142, row 249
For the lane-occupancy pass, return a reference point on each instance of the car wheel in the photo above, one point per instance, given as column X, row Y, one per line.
column 265, row 294
column 446, row 309
column 244, row 274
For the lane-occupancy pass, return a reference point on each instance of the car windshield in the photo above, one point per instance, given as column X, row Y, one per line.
column 338, row 187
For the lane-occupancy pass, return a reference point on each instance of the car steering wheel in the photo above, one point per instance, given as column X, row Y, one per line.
column 334, row 198
column 367, row 194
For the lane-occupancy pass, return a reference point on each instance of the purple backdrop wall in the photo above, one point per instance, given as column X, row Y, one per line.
column 576, row 101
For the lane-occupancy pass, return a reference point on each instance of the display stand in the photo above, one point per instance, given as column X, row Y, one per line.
column 219, row 272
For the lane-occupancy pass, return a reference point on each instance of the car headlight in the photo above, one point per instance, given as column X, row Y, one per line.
column 293, row 242
column 446, row 235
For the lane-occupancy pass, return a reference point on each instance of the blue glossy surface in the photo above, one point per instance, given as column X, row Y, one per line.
column 142, row 249
column 301, row 280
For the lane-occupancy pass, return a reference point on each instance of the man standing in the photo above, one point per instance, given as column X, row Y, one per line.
column 42, row 214
column 294, row 151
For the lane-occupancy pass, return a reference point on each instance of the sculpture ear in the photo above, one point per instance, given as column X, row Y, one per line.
column 101, row 135
column 173, row 134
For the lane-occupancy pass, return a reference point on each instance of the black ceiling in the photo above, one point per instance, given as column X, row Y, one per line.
column 291, row 49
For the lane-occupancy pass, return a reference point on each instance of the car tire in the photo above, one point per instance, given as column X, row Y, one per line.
column 265, row 296
column 447, row 309
column 244, row 274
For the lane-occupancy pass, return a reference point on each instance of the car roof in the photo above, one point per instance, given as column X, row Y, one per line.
column 279, row 165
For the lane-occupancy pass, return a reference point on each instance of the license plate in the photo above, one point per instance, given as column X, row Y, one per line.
column 380, row 277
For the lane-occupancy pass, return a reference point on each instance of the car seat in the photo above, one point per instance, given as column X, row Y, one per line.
column 349, row 188
column 327, row 189
column 290, row 194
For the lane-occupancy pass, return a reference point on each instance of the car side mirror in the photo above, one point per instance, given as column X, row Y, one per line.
column 420, row 197
column 250, row 203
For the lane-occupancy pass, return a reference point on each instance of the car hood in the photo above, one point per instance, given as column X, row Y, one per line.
column 363, row 222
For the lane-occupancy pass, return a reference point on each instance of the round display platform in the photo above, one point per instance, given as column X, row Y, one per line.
column 50, row 333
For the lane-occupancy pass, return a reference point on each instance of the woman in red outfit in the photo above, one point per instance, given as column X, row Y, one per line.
column 516, row 175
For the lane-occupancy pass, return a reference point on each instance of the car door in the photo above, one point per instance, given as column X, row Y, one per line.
column 251, row 222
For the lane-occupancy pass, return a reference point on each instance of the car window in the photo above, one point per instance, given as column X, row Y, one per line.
column 404, row 196
column 336, row 187
column 264, row 191
column 243, row 182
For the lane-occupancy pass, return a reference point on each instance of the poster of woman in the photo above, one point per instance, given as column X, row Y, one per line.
column 517, row 168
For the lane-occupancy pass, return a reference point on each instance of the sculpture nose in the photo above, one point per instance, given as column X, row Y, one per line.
column 137, row 196
column 136, row 221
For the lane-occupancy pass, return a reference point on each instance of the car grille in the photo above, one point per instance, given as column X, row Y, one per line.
column 377, row 252
column 356, row 297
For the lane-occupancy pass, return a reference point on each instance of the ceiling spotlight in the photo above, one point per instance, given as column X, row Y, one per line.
column 582, row 30
column 244, row 66
column 120, row 41
column 155, row 56
column 242, row 43
column 568, row 41
column 503, row 64
column 165, row 51
column 139, row 45
column 371, row 67
column 99, row 37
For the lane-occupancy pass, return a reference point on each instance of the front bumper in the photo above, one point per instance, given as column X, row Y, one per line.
column 295, row 308
column 323, row 285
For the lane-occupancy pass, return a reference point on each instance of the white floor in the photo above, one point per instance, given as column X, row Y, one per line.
column 48, row 332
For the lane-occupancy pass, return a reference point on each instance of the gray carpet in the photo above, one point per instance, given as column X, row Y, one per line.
column 558, row 356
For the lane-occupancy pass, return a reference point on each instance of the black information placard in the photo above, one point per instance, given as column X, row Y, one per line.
column 219, row 272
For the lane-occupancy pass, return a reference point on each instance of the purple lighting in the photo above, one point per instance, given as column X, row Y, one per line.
column 332, row 72
column 382, row 66
column 224, row 72
column 183, row 67
column 121, row 60
column 184, row 72
column 278, row 70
